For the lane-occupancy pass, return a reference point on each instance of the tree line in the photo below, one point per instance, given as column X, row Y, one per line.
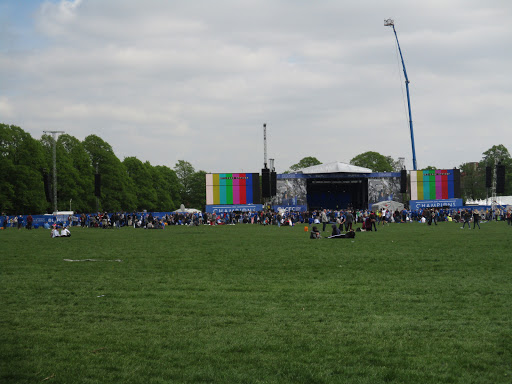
column 128, row 185
column 133, row 185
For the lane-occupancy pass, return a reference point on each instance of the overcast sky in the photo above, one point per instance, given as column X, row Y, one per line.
column 195, row 80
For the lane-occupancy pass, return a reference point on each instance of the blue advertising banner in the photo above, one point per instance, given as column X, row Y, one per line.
column 420, row 204
column 290, row 208
column 233, row 208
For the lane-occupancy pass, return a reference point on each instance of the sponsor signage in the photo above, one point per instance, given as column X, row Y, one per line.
column 290, row 208
column 420, row 204
column 233, row 208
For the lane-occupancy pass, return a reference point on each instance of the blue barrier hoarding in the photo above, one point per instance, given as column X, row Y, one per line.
column 290, row 208
column 234, row 208
column 420, row 204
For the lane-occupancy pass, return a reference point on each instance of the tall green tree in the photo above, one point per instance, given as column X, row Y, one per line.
column 141, row 175
column 305, row 162
column 167, row 188
column 198, row 190
column 21, row 164
column 472, row 181
column 117, row 189
column 500, row 154
column 74, row 173
column 84, row 200
column 374, row 161
column 185, row 172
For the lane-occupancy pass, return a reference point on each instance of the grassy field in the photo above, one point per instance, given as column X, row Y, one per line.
column 249, row 304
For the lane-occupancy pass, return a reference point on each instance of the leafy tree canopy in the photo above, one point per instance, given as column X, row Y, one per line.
column 374, row 161
column 308, row 161
column 497, row 153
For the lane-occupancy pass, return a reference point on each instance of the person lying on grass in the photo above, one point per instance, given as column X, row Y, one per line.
column 349, row 235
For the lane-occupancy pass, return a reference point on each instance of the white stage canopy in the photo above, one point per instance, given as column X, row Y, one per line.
column 335, row 167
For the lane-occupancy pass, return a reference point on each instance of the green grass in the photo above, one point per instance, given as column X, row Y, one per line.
column 251, row 304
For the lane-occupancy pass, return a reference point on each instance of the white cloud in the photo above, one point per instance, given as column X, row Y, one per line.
column 6, row 108
column 169, row 80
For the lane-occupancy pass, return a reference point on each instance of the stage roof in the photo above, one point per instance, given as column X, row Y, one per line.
column 335, row 167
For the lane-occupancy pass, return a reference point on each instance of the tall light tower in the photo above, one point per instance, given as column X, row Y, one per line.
column 391, row 23
column 54, row 145
column 265, row 145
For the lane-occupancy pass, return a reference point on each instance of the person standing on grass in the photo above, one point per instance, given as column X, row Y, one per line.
column 325, row 220
column 349, row 219
column 372, row 221
column 466, row 216
column 509, row 217
column 20, row 222
column 30, row 220
column 476, row 219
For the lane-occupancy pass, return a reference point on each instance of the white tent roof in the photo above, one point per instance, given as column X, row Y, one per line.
column 335, row 167
column 500, row 200
column 388, row 204
column 186, row 210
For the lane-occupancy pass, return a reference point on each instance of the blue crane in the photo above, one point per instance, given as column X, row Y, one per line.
column 391, row 23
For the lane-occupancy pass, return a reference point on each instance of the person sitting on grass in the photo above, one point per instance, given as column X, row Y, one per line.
column 335, row 230
column 65, row 232
column 55, row 232
column 315, row 233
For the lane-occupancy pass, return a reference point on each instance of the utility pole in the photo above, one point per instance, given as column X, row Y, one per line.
column 54, row 145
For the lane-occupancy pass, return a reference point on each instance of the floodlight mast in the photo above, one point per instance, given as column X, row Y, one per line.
column 265, row 145
column 54, row 145
column 391, row 23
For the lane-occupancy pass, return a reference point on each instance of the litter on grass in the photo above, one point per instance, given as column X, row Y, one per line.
column 118, row 260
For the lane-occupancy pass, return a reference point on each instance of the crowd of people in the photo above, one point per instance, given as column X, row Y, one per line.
column 345, row 219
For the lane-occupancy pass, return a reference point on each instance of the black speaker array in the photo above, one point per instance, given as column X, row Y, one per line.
column 500, row 178
column 97, row 185
column 265, row 183
column 488, row 177
column 273, row 183
column 403, row 181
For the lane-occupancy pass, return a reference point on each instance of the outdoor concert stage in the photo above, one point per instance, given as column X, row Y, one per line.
column 335, row 186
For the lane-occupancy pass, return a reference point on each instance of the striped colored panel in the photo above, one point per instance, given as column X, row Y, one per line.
column 229, row 188
column 222, row 188
column 232, row 188
column 419, row 177
column 242, row 187
column 249, row 187
column 216, row 189
column 209, row 189
column 444, row 184
column 439, row 185
column 450, row 185
column 236, row 188
column 414, row 185
column 426, row 185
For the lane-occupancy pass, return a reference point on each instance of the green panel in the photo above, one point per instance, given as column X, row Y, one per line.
column 222, row 188
column 229, row 189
